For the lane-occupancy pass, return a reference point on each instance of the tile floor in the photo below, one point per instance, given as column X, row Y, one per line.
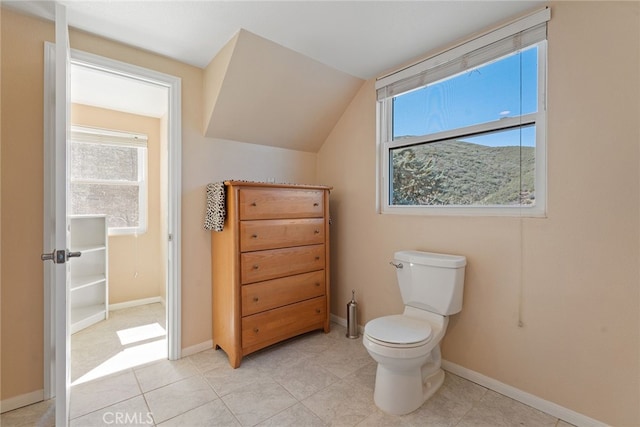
column 314, row 380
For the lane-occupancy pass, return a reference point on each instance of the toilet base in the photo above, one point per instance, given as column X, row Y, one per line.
column 401, row 392
column 432, row 384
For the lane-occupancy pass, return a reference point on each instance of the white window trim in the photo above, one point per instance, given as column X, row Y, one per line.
column 385, row 141
column 88, row 135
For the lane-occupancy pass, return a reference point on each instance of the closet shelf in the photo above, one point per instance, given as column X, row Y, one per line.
column 83, row 281
column 89, row 248
column 89, row 273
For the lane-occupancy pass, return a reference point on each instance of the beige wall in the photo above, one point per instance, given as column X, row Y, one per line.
column 572, row 277
column 203, row 160
column 134, row 260
column 22, row 159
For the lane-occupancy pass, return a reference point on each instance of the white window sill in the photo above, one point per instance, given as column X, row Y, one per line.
column 478, row 211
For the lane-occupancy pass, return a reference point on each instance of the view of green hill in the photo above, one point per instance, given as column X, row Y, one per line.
column 461, row 173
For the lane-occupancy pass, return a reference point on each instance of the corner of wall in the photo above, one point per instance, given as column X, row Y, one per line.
column 213, row 78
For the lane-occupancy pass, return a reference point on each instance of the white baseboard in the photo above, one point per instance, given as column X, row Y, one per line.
column 188, row 351
column 19, row 401
column 339, row 320
column 343, row 322
column 135, row 303
column 536, row 402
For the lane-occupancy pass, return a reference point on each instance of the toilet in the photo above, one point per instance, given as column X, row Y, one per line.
column 407, row 346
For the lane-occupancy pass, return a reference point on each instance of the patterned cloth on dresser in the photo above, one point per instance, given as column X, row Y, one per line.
column 214, row 218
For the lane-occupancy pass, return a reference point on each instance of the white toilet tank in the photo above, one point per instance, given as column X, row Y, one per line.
column 430, row 281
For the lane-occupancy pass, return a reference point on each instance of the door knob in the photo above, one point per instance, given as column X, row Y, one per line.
column 60, row 256
column 48, row 257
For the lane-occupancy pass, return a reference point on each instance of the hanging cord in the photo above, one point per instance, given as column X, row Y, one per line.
column 521, row 281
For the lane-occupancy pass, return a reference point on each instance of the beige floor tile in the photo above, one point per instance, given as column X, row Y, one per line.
column 177, row 398
column 224, row 379
column 365, row 376
column 295, row 416
column 496, row 410
column 342, row 404
column 313, row 380
column 344, row 358
column 209, row 359
column 99, row 345
column 381, row 419
column 338, row 332
column 164, row 372
column 211, row 414
column 278, row 357
column 100, row 393
column 84, row 360
column 449, row 404
column 131, row 412
column 304, row 378
column 41, row 414
column 258, row 402
column 312, row 343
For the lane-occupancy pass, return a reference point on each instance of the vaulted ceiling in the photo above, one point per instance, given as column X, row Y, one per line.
column 259, row 91
column 281, row 73
column 362, row 38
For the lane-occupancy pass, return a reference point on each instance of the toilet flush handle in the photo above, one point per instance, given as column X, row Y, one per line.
column 398, row 265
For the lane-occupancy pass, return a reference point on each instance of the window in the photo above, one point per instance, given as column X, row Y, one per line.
column 108, row 175
column 463, row 132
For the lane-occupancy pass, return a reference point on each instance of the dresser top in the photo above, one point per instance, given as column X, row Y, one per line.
column 275, row 185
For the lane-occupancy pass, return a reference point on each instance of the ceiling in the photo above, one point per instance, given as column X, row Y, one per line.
column 359, row 39
column 362, row 38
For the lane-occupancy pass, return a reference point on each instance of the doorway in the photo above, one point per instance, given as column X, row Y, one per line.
column 117, row 181
column 134, row 80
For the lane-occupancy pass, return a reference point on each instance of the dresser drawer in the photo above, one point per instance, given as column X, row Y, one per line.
column 266, row 203
column 274, row 293
column 284, row 322
column 280, row 233
column 274, row 263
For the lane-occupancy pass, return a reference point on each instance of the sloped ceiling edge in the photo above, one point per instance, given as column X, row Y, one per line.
column 274, row 96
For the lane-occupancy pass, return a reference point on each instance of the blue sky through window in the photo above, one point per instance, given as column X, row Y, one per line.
column 503, row 88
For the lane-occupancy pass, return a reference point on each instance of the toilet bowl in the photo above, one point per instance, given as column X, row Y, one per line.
column 407, row 346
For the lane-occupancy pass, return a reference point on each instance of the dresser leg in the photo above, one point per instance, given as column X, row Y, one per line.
column 235, row 360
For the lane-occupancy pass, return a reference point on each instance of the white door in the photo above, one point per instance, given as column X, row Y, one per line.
column 57, row 340
column 57, row 124
column 60, row 255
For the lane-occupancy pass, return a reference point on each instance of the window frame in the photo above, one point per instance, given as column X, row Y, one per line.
column 87, row 135
column 385, row 141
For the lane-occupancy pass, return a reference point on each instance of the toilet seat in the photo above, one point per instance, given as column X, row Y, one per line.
column 399, row 331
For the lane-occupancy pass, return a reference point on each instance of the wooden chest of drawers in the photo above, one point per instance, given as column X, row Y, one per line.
column 270, row 266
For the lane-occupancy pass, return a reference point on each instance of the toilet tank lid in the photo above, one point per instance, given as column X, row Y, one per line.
column 432, row 259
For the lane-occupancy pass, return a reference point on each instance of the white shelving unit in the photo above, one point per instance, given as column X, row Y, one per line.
column 90, row 272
